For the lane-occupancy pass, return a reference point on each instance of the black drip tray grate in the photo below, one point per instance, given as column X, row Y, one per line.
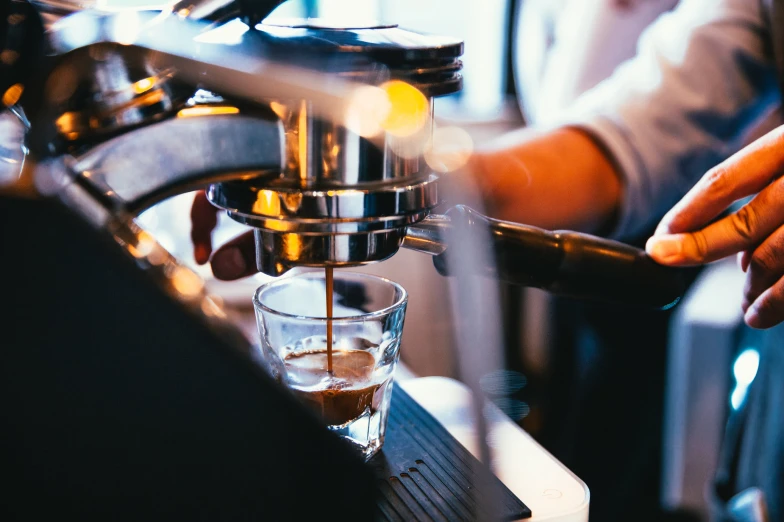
column 426, row 474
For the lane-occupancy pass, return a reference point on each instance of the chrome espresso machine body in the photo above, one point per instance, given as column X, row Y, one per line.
column 339, row 198
column 280, row 123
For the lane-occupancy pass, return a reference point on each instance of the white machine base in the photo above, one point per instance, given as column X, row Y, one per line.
column 551, row 491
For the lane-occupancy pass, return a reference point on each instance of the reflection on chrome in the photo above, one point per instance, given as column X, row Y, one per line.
column 226, row 34
column 368, row 109
column 409, row 109
column 207, row 110
column 144, row 246
column 12, row 149
column 449, row 149
column 127, row 27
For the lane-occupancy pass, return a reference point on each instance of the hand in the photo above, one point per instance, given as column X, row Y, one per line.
column 755, row 232
column 235, row 259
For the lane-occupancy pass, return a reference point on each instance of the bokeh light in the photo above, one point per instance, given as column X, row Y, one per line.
column 207, row 110
column 744, row 370
column 367, row 110
column 186, row 282
column 409, row 109
column 449, row 149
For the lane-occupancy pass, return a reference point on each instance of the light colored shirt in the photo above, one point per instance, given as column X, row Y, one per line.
column 703, row 78
column 565, row 47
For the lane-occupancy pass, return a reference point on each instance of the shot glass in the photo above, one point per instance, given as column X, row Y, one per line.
column 367, row 323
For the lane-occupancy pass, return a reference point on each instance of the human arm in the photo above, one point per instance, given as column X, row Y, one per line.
column 530, row 177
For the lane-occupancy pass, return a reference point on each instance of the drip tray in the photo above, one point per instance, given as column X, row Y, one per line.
column 426, row 474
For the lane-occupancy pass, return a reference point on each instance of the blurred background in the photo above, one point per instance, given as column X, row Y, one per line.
column 633, row 402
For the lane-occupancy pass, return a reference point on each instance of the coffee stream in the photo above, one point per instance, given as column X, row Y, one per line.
column 328, row 271
column 347, row 390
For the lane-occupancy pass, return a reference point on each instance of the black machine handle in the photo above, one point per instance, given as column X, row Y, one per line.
column 569, row 263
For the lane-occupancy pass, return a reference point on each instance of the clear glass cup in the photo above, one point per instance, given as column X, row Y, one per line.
column 368, row 314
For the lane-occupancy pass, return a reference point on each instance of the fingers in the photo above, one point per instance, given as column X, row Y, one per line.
column 755, row 231
column 204, row 218
column 235, row 259
column 765, row 266
column 743, row 230
column 743, row 174
column 768, row 309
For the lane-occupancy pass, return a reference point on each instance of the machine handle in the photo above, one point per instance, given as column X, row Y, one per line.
column 569, row 263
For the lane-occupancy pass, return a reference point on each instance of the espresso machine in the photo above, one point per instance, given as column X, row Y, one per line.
column 283, row 129
column 315, row 134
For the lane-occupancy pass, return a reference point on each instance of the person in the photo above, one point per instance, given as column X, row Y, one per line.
column 563, row 48
column 660, row 134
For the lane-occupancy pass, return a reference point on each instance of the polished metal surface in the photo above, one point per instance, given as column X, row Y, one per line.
column 262, row 200
column 331, row 24
column 53, row 10
column 202, row 145
column 321, row 153
column 428, row 236
column 430, row 63
column 277, row 252
column 141, row 49
column 280, row 137
column 12, row 149
column 72, row 6
column 116, row 94
column 62, row 7
column 344, row 227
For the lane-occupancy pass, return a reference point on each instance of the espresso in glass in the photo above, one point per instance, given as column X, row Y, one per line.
column 347, row 382
column 340, row 395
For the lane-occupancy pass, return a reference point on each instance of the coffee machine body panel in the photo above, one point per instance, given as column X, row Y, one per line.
column 120, row 402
